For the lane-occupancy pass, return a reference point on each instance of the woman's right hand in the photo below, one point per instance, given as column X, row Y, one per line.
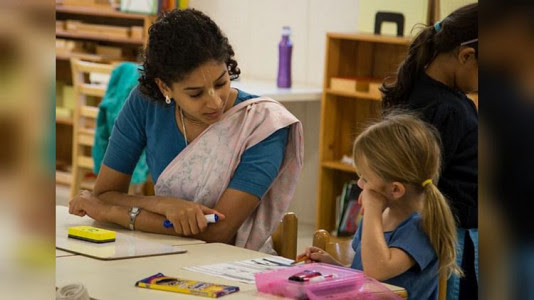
column 187, row 217
column 85, row 203
column 314, row 254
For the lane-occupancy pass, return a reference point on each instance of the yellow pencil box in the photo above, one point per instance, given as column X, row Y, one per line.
column 91, row 234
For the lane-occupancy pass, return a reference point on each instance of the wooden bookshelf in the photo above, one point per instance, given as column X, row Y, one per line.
column 131, row 46
column 368, row 38
column 85, row 56
column 91, row 11
column 337, row 165
column 64, row 121
column 98, row 37
column 345, row 113
column 361, row 95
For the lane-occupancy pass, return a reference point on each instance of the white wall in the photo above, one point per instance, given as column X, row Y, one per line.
column 305, row 197
column 254, row 27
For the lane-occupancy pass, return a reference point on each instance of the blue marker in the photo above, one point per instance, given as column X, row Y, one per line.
column 211, row 218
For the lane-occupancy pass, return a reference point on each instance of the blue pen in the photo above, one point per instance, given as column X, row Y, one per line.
column 211, row 218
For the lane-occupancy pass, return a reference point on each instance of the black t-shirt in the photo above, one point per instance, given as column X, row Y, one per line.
column 456, row 118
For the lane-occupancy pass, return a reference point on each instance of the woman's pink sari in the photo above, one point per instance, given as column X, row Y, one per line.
column 203, row 170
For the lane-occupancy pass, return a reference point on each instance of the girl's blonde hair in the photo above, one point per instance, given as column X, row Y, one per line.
column 403, row 148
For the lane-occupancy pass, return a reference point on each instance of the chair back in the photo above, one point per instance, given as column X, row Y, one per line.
column 340, row 249
column 285, row 236
column 442, row 287
column 87, row 97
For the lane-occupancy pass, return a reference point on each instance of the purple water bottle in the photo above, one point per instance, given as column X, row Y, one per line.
column 285, row 48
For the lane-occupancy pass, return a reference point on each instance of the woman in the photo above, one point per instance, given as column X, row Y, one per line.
column 210, row 148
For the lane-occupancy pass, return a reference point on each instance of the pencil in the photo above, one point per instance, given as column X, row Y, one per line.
column 300, row 260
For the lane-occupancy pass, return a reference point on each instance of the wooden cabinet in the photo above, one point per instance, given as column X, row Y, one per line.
column 344, row 113
column 101, row 27
column 93, row 34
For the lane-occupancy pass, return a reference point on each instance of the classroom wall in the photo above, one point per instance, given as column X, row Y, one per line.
column 254, row 30
column 414, row 12
column 254, row 26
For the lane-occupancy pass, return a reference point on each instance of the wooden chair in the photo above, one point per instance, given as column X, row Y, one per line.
column 342, row 251
column 84, row 120
column 285, row 236
column 442, row 288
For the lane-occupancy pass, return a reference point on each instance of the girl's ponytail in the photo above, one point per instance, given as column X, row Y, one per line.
column 396, row 89
column 438, row 222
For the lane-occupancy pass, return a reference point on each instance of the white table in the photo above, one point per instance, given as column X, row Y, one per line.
column 64, row 220
column 61, row 253
column 116, row 279
column 128, row 243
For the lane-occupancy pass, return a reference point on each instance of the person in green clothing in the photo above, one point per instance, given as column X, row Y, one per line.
column 123, row 79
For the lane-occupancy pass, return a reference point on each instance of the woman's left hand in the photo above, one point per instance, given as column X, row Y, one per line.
column 85, row 203
column 188, row 217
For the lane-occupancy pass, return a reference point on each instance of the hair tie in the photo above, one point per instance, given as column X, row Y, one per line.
column 437, row 26
column 428, row 181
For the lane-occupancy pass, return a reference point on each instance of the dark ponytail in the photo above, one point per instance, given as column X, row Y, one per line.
column 458, row 27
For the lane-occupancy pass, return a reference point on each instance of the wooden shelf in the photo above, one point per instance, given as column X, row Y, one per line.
column 337, row 165
column 86, row 56
column 81, row 10
column 65, row 121
column 373, row 38
column 102, row 18
column 63, row 177
column 344, row 114
column 361, row 95
column 96, row 37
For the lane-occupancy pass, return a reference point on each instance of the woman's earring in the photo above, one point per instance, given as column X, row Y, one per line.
column 167, row 99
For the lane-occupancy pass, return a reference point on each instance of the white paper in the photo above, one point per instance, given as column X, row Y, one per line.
column 243, row 270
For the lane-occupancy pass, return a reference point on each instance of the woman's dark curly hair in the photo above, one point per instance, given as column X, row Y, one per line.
column 178, row 42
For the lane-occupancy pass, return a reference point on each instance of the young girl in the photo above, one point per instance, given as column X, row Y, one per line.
column 441, row 67
column 407, row 236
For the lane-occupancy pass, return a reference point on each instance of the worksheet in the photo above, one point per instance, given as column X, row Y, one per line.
column 243, row 270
